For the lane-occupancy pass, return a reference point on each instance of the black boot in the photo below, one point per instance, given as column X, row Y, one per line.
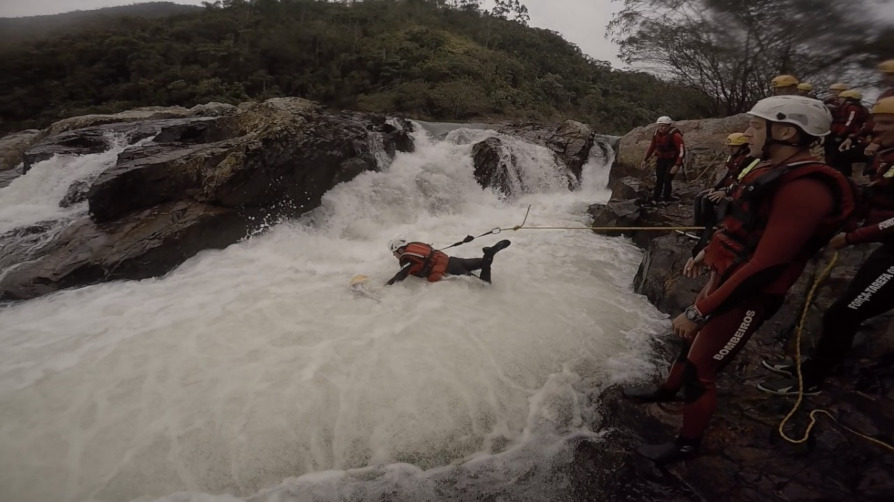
column 489, row 252
column 672, row 451
column 650, row 395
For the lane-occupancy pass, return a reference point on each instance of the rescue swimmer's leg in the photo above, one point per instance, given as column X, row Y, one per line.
column 718, row 342
column 463, row 266
column 488, row 259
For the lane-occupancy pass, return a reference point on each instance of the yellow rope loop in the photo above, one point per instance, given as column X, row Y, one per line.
column 823, row 275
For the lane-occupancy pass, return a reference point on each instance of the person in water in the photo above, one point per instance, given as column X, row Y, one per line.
column 422, row 260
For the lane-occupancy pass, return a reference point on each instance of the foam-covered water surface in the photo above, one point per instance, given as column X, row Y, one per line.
column 257, row 373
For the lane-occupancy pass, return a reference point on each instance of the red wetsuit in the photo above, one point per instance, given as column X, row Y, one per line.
column 797, row 217
column 670, row 152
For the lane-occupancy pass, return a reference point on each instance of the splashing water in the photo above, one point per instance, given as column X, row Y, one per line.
column 256, row 373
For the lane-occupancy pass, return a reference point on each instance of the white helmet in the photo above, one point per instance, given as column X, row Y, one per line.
column 808, row 114
column 664, row 120
column 397, row 243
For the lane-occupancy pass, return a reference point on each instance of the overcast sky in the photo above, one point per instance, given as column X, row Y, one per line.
column 581, row 22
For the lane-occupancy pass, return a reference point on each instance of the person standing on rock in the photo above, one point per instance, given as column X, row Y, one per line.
column 871, row 292
column 783, row 211
column 422, row 260
column 670, row 151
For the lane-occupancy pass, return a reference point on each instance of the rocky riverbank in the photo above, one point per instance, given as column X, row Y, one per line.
column 744, row 458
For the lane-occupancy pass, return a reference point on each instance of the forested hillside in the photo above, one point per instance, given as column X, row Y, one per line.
column 426, row 59
column 19, row 29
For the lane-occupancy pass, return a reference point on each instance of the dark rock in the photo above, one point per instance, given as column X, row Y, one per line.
column 80, row 142
column 194, row 187
column 8, row 176
column 25, row 243
column 495, row 166
column 571, row 142
column 615, row 214
column 144, row 244
column 628, row 188
column 77, row 192
column 152, row 175
column 190, row 131
column 12, row 148
column 290, row 155
column 660, row 275
column 96, row 139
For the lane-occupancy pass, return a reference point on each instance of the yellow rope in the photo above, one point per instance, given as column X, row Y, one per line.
column 595, row 229
column 606, row 229
column 816, row 283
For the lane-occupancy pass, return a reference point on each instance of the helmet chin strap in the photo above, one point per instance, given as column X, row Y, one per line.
column 765, row 151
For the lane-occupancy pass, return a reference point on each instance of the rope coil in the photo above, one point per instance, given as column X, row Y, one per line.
column 822, row 276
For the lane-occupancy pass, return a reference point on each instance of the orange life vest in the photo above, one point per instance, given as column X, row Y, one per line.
column 745, row 218
column 427, row 262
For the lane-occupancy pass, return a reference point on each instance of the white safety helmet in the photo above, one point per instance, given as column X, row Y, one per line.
column 397, row 243
column 664, row 120
column 810, row 115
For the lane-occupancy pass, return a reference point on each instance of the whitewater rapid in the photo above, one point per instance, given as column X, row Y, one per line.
column 256, row 373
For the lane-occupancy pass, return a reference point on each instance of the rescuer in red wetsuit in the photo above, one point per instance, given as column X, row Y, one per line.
column 871, row 292
column 422, row 260
column 667, row 145
column 783, row 211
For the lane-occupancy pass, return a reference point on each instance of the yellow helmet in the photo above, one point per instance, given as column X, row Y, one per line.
column 886, row 66
column 838, row 86
column 884, row 106
column 784, row 81
column 804, row 86
column 851, row 94
column 736, row 139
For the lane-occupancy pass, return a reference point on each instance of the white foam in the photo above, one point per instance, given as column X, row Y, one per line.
column 256, row 372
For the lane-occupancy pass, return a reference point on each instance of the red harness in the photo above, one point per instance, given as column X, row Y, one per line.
column 745, row 219
column 427, row 262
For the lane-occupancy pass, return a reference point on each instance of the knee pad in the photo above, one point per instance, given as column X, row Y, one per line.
column 692, row 388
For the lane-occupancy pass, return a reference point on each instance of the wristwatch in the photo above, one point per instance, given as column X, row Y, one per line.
column 694, row 315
